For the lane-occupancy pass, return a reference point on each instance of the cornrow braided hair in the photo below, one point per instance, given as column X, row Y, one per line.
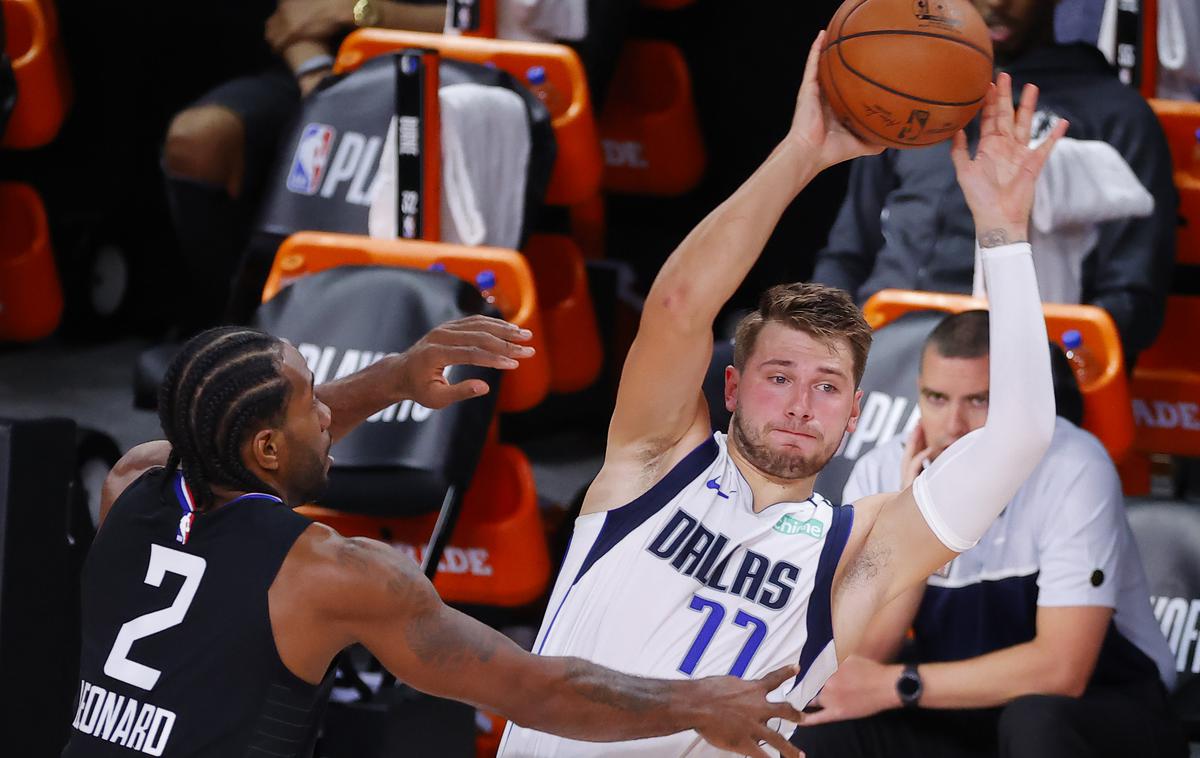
column 221, row 385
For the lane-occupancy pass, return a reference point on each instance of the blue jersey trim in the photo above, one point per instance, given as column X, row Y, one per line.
column 820, row 616
column 620, row 522
column 550, row 628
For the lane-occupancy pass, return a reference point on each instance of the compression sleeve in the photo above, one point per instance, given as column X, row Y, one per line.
column 970, row 483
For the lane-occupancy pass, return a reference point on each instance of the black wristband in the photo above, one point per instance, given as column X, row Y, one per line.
column 909, row 686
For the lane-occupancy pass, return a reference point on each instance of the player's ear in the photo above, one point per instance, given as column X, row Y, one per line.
column 265, row 448
column 732, row 377
column 855, row 410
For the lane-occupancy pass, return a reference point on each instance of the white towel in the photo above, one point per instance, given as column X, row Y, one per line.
column 485, row 157
column 1084, row 183
column 1179, row 49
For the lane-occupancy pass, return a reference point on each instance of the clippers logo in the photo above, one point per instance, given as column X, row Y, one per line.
column 312, row 156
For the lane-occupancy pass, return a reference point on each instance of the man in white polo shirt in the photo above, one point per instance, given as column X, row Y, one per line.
column 1039, row 641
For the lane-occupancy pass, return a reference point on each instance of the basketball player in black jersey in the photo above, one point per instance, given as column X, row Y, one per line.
column 212, row 611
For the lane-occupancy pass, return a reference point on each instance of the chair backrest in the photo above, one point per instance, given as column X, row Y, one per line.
column 39, row 66
column 1107, row 410
column 578, row 169
column 651, row 133
column 328, row 171
column 1180, row 120
column 341, row 320
column 311, row 252
column 1168, row 537
column 1166, row 384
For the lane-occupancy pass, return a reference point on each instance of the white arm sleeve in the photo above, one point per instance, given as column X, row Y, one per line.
column 971, row 482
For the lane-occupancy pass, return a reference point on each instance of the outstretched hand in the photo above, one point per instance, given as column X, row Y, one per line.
column 814, row 124
column 475, row 341
column 999, row 182
column 738, row 712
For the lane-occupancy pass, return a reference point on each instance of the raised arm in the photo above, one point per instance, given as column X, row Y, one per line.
column 659, row 399
column 904, row 538
column 363, row 591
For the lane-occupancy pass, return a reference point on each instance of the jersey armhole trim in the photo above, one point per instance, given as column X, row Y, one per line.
column 820, row 612
column 619, row 522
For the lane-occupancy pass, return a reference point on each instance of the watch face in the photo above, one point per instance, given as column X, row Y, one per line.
column 908, row 685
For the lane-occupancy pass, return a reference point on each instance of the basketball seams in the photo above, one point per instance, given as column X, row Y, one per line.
column 911, row 33
column 853, row 117
column 858, row 121
column 849, row 123
column 907, row 96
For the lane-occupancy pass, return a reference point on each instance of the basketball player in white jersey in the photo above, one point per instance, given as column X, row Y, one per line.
column 699, row 553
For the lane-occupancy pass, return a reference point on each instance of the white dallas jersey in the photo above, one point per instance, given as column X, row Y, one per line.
column 688, row 581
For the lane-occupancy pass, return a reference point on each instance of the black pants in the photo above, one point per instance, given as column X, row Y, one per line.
column 213, row 228
column 1106, row 721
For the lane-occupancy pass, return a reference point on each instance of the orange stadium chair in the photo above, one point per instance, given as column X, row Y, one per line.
column 651, row 135
column 496, row 554
column 1180, row 121
column 490, row 559
column 578, row 168
column 40, row 69
column 1107, row 409
column 1166, row 392
column 572, row 336
column 31, row 300
column 309, row 252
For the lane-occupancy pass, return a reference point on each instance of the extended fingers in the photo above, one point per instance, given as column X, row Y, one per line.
column 814, row 56
column 450, row 355
column 489, row 341
column 988, row 121
column 777, row 677
column 448, row 394
column 498, row 327
column 777, row 741
column 958, row 153
column 1037, row 159
column 1004, row 104
column 1024, row 126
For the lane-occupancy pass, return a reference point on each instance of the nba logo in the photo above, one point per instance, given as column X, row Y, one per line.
column 312, row 155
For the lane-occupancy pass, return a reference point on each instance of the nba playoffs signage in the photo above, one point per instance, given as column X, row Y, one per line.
column 406, row 451
column 329, row 173
column 331, row 169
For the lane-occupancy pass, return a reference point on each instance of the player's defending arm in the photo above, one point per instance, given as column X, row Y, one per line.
column 363, row 591
column 659, row 400
column 950, row 505
column 418, row 373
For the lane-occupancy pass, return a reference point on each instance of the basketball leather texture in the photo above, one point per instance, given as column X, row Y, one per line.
column 906, row 73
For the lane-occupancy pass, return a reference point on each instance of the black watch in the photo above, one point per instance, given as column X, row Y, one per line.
column 909, row 686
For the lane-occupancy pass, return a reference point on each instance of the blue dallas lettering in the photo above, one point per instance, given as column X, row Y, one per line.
column 694, row 551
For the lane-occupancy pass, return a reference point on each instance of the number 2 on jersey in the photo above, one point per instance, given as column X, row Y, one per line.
column 163, row 560
column 716, row 614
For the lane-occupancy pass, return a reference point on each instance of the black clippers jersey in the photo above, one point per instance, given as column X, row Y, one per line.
column 178, row 655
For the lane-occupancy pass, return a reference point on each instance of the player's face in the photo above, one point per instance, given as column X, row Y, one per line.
column 953, row 395
column 1015, row 24
column 305, row 461
column 792, row 402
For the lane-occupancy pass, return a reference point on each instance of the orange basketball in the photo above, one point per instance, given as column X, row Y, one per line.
column 906, row 73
